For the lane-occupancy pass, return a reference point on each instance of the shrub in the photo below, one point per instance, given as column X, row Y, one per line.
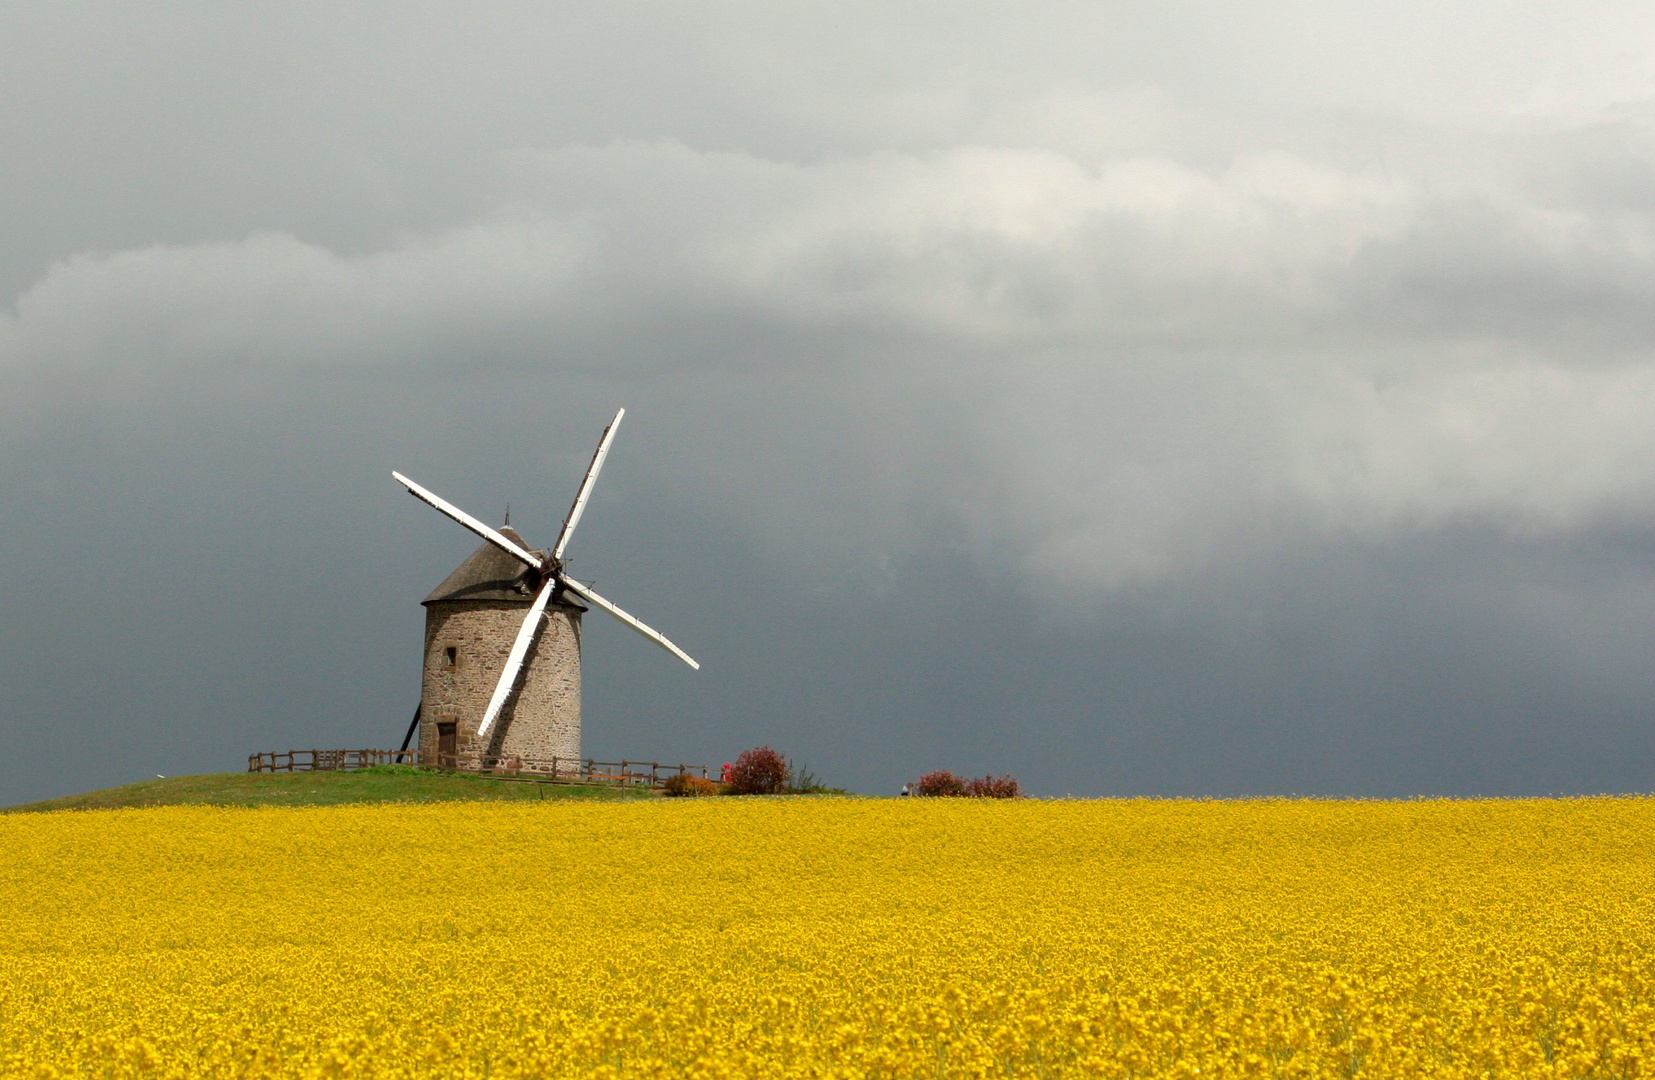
column 941, row 783
column 683, row 784
column 760, row 771
column 804, row 782
column 991, row 787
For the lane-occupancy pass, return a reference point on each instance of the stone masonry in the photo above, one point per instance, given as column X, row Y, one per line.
column 471, row 620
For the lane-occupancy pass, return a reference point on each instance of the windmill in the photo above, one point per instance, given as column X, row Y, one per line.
column 532, row 707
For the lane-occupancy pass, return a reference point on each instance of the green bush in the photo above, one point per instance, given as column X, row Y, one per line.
column 802, row 781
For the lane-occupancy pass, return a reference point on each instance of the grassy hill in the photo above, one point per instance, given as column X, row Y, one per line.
column 385, row 783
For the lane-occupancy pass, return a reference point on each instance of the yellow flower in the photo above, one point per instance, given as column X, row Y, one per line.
column 832, row 938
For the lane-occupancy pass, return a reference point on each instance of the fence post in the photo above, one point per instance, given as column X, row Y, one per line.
column 580, row 769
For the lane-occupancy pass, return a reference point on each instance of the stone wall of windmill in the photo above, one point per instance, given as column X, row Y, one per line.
column 471, row 620
column 466, row 644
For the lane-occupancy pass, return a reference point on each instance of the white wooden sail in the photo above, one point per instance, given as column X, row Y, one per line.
column 585, row 493
column 647, row 631
column 491, row 535
column 514, row 660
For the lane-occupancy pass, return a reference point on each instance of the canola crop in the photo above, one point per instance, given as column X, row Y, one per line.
column 832, row 938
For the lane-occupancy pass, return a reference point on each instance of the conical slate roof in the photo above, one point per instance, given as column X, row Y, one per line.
column 489, row 574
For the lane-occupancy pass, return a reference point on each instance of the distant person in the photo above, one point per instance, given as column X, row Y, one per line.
column 904, row 791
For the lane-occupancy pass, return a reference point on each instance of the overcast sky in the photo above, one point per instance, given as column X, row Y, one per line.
column 1183, row 399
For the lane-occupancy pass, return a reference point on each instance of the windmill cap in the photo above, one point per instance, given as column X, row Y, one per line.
column 491, row 574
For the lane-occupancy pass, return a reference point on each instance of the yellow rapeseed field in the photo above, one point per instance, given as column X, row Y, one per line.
column 833, row 937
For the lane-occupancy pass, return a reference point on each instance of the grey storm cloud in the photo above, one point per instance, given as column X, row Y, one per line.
column 1185, row 335
column 1145, row 361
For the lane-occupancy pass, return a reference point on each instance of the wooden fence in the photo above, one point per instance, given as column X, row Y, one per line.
column 647, row 774
column 585, row 770
column 328, row 760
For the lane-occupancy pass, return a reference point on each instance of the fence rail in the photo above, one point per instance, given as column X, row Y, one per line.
column 624, row 773
column 328, row 760
column 586, row 770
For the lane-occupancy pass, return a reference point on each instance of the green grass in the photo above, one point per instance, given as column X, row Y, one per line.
column 383, row 783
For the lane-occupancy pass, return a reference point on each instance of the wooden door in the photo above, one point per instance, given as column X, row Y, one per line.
column 448, row 749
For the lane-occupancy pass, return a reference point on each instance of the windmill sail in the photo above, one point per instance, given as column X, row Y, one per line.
column 585, row 492
column 514, row 661
column 493, row 536
column 637, row 624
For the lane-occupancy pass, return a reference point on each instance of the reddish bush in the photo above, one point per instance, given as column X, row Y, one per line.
column 760, row 771
column 684, row 784
column 991, row 787
column 941, row 783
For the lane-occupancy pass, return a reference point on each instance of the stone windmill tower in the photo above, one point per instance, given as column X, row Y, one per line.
column 502, row 644
column 471, row 620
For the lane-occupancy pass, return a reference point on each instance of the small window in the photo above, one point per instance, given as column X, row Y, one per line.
column 450, row 656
